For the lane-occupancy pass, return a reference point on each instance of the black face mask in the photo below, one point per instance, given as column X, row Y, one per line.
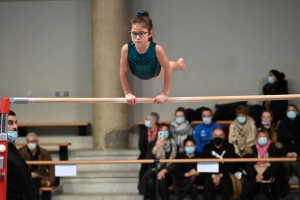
column 218, row 141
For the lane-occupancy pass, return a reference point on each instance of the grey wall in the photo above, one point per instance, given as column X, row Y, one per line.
column 46, row 47
column 229, row 47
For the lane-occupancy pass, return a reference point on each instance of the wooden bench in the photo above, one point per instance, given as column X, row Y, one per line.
column 46, row 192
column 222, row 122
column 63, row 148
column 82, row 126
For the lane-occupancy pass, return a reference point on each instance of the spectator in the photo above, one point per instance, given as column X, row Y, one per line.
column 164, row 147
column 276, row 85
column 289, row 136
column 186, row 173
column 242, row 131
column 268, row 124
column 262, row 175
column 180, row 128
column 219, row 148
column 19, row 182
column 203, row 132
column 146, row 136
column 42, row 175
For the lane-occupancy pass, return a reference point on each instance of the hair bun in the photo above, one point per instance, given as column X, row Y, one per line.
column 144, row 13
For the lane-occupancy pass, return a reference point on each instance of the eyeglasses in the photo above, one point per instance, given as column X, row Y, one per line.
column 135, row 34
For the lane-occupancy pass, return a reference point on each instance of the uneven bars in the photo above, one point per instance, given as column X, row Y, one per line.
column 62, row 162
column 25, row 100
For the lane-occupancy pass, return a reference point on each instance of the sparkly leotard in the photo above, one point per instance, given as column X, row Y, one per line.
column 144, row 66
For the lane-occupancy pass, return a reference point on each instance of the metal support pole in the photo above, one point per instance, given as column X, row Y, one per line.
column 156, row 161
column 3, row 146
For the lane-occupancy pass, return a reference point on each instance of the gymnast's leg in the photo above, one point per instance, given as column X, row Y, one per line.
column 179, row 65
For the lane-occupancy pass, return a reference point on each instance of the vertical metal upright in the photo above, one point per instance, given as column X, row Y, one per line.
column 3, row 146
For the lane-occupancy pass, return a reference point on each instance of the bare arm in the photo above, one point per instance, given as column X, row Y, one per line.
column 131, row 99
column 163, row 60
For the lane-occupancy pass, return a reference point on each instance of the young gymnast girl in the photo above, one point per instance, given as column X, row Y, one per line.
column 146, row 59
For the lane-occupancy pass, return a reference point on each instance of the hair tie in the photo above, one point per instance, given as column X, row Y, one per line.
column 141, row 13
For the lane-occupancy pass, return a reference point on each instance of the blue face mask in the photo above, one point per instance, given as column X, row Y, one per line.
column 12, row 135
column 265, row 123
column 241, row 120
column 148, row 123
column 262, row 141
column 189, row 150
column 270, row 79
column 179, row 120
column 206, row 120
column 291, row 114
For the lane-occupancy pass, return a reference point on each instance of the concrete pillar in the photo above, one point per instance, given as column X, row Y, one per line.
column 109, row 29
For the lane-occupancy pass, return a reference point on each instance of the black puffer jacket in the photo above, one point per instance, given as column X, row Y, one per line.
column 277, row 107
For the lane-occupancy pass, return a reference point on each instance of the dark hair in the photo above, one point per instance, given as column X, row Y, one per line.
column 181, row 109
column 292, row 105
column 242, row 109
column 12, row 113
column 263, row 131
column 206, row 109
column 277, row 74
column 189, row 138
column 267, row 111
column 142, row 17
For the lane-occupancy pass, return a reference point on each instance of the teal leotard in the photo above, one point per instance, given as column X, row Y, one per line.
column 144, row 66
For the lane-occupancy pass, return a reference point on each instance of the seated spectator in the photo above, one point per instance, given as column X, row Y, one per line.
column 186, row 173
column 268, row 124
column 276, row 85
column 262, row 175
column 219, row 148
column 180, row 128
column 146, row 136
column 203, row 132
column 42, row 175
column 242, row 131
column 163, row 147
column 289, row 136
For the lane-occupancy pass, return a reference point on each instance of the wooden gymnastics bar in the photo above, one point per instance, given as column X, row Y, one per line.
column 62, row 162
column 25, row 100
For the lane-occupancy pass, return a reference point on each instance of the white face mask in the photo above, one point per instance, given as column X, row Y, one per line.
column 31, row 146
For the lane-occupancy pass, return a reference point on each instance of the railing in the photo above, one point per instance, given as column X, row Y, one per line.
column 156, row 161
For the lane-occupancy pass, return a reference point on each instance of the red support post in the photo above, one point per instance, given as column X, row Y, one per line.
column 5, row 102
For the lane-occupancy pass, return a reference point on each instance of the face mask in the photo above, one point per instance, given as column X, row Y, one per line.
column 262, row 141
column 241, row 120
column 31, row 146
column 179, row 120
column 265, row 123
column 291, row 114
column 189, row 150
column 218, row 141
column 270, row 79
column 12, row 135
column 148, row 123
column 206, row 120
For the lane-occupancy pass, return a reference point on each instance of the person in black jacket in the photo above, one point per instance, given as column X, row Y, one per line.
column 186, row 173
column 147, row 135
column 262, row 175
column 289, row 136
column 276, row 85
column 219, row 148
column 19, row 181
column 164, row 147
